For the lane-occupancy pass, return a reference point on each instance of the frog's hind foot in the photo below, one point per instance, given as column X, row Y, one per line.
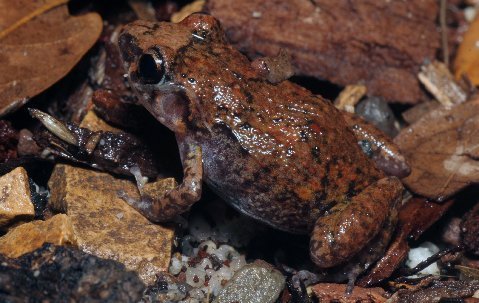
column 175, row 201
column 350, row 226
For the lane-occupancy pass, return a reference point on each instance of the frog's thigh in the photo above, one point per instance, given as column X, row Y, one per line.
column 179, row 199
column 348, row 227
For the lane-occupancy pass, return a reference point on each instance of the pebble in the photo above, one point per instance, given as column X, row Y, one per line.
column 257, row 282
column 31, row 236
column 377, row 111
column 90, row 198
column 15, row 202
column 421, row 253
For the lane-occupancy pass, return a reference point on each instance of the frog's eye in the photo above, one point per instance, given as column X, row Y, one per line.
column 151, row 68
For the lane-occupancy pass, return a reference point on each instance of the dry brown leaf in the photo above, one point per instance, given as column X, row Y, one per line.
column 468, row 273
column 329, row 292
column 437, row 291
column 38, row 53
column 467, row 58
column 415, row 217
column 194, row 7
column 443, row 150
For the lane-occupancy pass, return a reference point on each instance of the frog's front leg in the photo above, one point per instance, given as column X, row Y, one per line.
column 351, row 225
column 378, row 146
column 179, row 199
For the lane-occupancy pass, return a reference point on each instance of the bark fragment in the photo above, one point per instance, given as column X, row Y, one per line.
column 379, row 43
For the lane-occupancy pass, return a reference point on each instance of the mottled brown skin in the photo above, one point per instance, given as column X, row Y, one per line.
column 275, row 151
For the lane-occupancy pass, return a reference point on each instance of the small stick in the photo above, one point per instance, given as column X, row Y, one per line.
column 442, row 20
column 429, row 261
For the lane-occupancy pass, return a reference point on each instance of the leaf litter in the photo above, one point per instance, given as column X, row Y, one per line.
column 41, row 43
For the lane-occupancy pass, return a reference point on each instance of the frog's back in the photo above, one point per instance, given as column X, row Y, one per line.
column 275, row 151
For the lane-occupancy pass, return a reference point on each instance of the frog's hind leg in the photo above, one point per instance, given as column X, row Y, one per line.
column 370, row 253
column 377, row 146
column 350, row 226
column 177, row 200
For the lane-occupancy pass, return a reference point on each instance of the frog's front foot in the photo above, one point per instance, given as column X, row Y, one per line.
column 377, row 146
column 351, row 226
column 177, row 200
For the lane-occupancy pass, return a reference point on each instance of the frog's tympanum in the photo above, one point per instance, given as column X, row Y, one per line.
column 267, row 146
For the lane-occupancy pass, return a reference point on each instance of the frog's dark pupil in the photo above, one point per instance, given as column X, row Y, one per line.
column 150, row 69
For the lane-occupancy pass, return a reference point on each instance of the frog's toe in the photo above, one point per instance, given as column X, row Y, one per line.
column 143, row 205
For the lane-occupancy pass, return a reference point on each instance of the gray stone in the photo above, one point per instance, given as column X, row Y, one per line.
column 377, row 111
column 258, row 282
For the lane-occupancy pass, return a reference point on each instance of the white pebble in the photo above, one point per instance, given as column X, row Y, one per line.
column 226, row 252
column 172, row 286
column 196, row 293
column 237, row 263
column 204, row 264
column 174, row 295
column 421, row 253
column 224, row 273
column 214, row 284
column 195, row 277
column 175, row 266
column 470, row 13
column 210, row 246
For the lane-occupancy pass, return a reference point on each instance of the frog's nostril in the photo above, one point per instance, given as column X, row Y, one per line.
column 150, row 69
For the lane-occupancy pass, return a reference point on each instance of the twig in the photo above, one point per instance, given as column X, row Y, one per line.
column 30, row 16
column 429, row 261
column 442, row 20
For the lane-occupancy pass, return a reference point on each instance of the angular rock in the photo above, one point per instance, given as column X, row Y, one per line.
column 31, row 236
column 93, row 122
column 15, row 202
column 258, row 282
column 62, row 274
column 379, row 43
column 104, row 224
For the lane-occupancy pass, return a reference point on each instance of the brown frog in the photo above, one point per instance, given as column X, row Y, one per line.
column 272, row 149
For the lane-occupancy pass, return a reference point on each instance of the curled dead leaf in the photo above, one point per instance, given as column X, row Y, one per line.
column 443, row 150
column 467, row 58
column 194, row 7
column 42, row 47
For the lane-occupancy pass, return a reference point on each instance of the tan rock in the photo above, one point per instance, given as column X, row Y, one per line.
column 30, row 236
column 107, row 226
column 15, row 197
column 93, row 122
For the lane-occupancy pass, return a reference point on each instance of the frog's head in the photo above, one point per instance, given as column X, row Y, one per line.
column 151, row 52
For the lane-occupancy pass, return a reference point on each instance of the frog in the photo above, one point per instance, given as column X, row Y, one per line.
column 267, row 146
